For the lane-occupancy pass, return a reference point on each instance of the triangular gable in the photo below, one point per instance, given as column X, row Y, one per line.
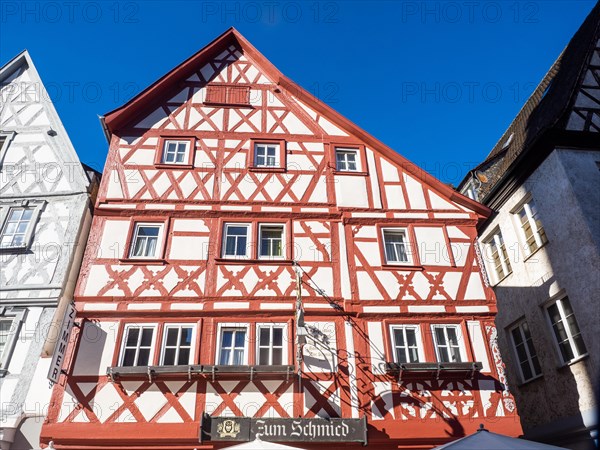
column 232, row 59
column 28, row 115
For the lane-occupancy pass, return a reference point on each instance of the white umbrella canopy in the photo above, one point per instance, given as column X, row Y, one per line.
column 483, row 439
column 258, row 444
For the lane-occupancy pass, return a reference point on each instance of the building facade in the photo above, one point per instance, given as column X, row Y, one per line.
column 542, row 247
column 259, row 266
column 45, row 215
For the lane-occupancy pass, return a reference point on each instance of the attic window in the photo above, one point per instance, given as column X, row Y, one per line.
column 228, row 95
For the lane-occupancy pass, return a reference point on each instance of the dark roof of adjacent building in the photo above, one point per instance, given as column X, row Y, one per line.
column 546, row 109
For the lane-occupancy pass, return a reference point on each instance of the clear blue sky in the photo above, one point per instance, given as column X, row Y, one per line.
column 437, row 81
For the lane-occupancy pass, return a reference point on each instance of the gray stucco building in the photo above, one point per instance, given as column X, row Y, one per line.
column 542, row 247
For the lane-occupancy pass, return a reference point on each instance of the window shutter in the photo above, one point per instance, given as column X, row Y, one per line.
column 216, row 94
column 228, row 95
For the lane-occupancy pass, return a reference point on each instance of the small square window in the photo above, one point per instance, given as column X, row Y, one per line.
column 566, row 330
column 146, row 242
column 235, row 240
column 448, row 345
column 531, row 229
column 524, row 350
column 266, row 155
column 407, row 344
column 271, row 241
column 232, row 347
column 346, row 160
column 396, row 248
column 271, row 348
column 175, row 152
column 138, row 345
column 178, row 344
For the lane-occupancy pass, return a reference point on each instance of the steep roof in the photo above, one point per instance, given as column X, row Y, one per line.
column 545, row 110
column 16, row 66
column 169, row 85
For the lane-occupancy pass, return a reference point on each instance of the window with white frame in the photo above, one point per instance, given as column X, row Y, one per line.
column 406, row 341
column 271, row 241
column 346, row 159
column 236, row 240
column 16, row 227
column 395, row 244
column 271, row 349
column 448, row 345
column 497, row 256
column 529, row 364
column 470, row 190
column 232, row 346
column 531, row 229
column 138, row 345
column 146, row 240
column 178, row 346
column 566, row 330
column 175, row 152
column 11, row 321
column 266, row 154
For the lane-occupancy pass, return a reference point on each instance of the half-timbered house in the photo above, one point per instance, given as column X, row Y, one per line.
column 261, row 267
column 46, row 199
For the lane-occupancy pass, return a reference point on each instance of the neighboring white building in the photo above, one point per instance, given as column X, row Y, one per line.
column 45, row 214
column 542, row 248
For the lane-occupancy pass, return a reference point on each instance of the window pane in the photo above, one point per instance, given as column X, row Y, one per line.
column 264, row 337
column 143, row 357
column 452, row 336
column 263, row 356
column 227, row 338
column 171, row 337
column 129, row 357
column 186, row 336
column 132, row 337
column 400, row 355
column 439, row 336
column 444, row 357
column 411, row 337
column 238, row 357
column 399, row 336
column 147, row 337
column 241, row 246
column 169, row 358
column 240, row 337
column 277, row 356
column 278, row 336
column 148, row 231
column 414, row 354
column 184, row 356
column 224, row 359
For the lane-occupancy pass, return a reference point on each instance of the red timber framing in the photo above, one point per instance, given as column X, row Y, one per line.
column 331, row 224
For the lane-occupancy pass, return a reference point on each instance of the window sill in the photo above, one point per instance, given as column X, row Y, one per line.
column 173, row 166
column 407, row 267
column 350, row 172
column 573, row 361
column 19, row 249
column 495, row 283
column 267, row 169
column 535, row 251
column 245, row 261
column 143, row 262
column 531, row 380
